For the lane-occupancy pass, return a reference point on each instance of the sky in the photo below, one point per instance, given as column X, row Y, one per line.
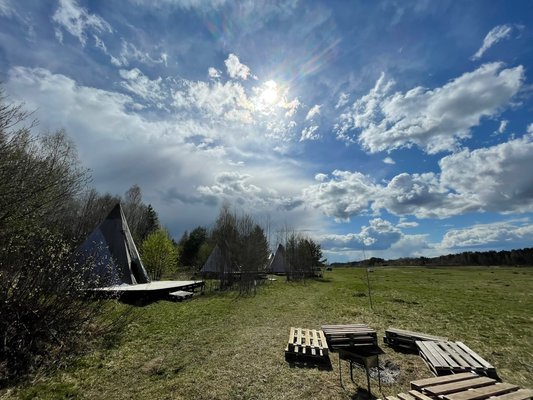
column 378, row 128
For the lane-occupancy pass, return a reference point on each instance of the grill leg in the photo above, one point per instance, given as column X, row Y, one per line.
column 368, row 381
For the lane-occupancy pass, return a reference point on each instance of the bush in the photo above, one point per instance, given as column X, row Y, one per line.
column 48, row 310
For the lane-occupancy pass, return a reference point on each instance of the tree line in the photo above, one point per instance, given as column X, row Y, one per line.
column 518, row 257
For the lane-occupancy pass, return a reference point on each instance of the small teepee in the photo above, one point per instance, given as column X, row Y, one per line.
column 216, row 263
column 279, row 264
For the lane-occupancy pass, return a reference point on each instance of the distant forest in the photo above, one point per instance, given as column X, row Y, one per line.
column 512, row 257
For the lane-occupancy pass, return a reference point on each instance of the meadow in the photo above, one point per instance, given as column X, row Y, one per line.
column 225, row 346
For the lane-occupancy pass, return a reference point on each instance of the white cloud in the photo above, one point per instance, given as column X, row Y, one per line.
column 214, row 73
column 6, row 8
column 138, row 83
column 435, row 120
column 314, row 111
column 238, row 189
column 421, row 195
column 497, row 234
column 310, row 133
column 174, row 158
column 221, row 100
column 486, row 179
column 503, row 126
column 129, row 52
column 406, row 224
column 230, row 102
column 235, row 68
column 388, row 160
column 99, row 43
column 496, row 34
column 184, row 4
column 344, row 195
column 494, row 178
column 378, row 235
column 343, row 100
column 321, row 177
column 77, row 20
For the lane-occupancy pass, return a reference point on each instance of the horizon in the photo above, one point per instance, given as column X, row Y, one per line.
column 380, row 130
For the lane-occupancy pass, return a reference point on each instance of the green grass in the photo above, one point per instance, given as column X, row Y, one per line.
column 222, row 346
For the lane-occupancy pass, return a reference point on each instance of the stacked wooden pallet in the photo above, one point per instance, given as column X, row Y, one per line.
column 445, row 358
column 407, row 339
column 307, row 343
column 463, row 386
column 349, row 336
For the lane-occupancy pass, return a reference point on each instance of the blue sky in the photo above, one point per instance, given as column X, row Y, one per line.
column 397, row 128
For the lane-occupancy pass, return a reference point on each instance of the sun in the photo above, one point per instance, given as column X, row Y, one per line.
column 270, row 93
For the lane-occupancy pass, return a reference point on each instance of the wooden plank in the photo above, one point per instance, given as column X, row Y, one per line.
column 428, row 348
column 427, row 382
column 522, row 394
column 405, row 396
column 419, row 396
column 323, row 342
column 437, row 346
column 466, row 356
column 292, row 339
column 484, row 392
column 459, row 386
column 474, row 355
column 414, row 335
column 454, row 355
column 298, row 336
column 392, row 398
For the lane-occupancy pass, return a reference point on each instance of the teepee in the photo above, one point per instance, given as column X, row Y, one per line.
column 216, row 263
column 112, row 252
column 279, row 264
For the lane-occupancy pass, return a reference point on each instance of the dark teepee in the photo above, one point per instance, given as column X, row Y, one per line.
column 217, row 264
column 112, row 252
column 279, row 264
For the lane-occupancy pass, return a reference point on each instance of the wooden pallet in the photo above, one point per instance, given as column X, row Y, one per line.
column 407, row 339
column 445, row 358
column 349, row 336
column 465, row 386
column 307, row 343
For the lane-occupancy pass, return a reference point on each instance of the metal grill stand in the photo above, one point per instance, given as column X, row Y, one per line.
column 365, row 358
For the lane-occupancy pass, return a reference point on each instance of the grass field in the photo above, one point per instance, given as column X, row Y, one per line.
column 222, row 346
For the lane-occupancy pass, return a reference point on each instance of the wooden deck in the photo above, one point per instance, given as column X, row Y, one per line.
column 154, row 286
column 445, row 358
column 463, row 386
column 153, row 290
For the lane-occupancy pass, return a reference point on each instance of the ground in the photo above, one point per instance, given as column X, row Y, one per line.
column 225, row 346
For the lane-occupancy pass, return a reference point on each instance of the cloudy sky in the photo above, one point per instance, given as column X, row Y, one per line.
column 401, row 128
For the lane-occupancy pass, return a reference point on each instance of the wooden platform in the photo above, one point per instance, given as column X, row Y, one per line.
column 349, row 336
column 463, row 386
column 407, row 339
column 306, row 343
column 152, row 291
column 181, row 295
column 445, row 358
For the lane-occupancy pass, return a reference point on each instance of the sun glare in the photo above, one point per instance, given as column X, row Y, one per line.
column 269, row 95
